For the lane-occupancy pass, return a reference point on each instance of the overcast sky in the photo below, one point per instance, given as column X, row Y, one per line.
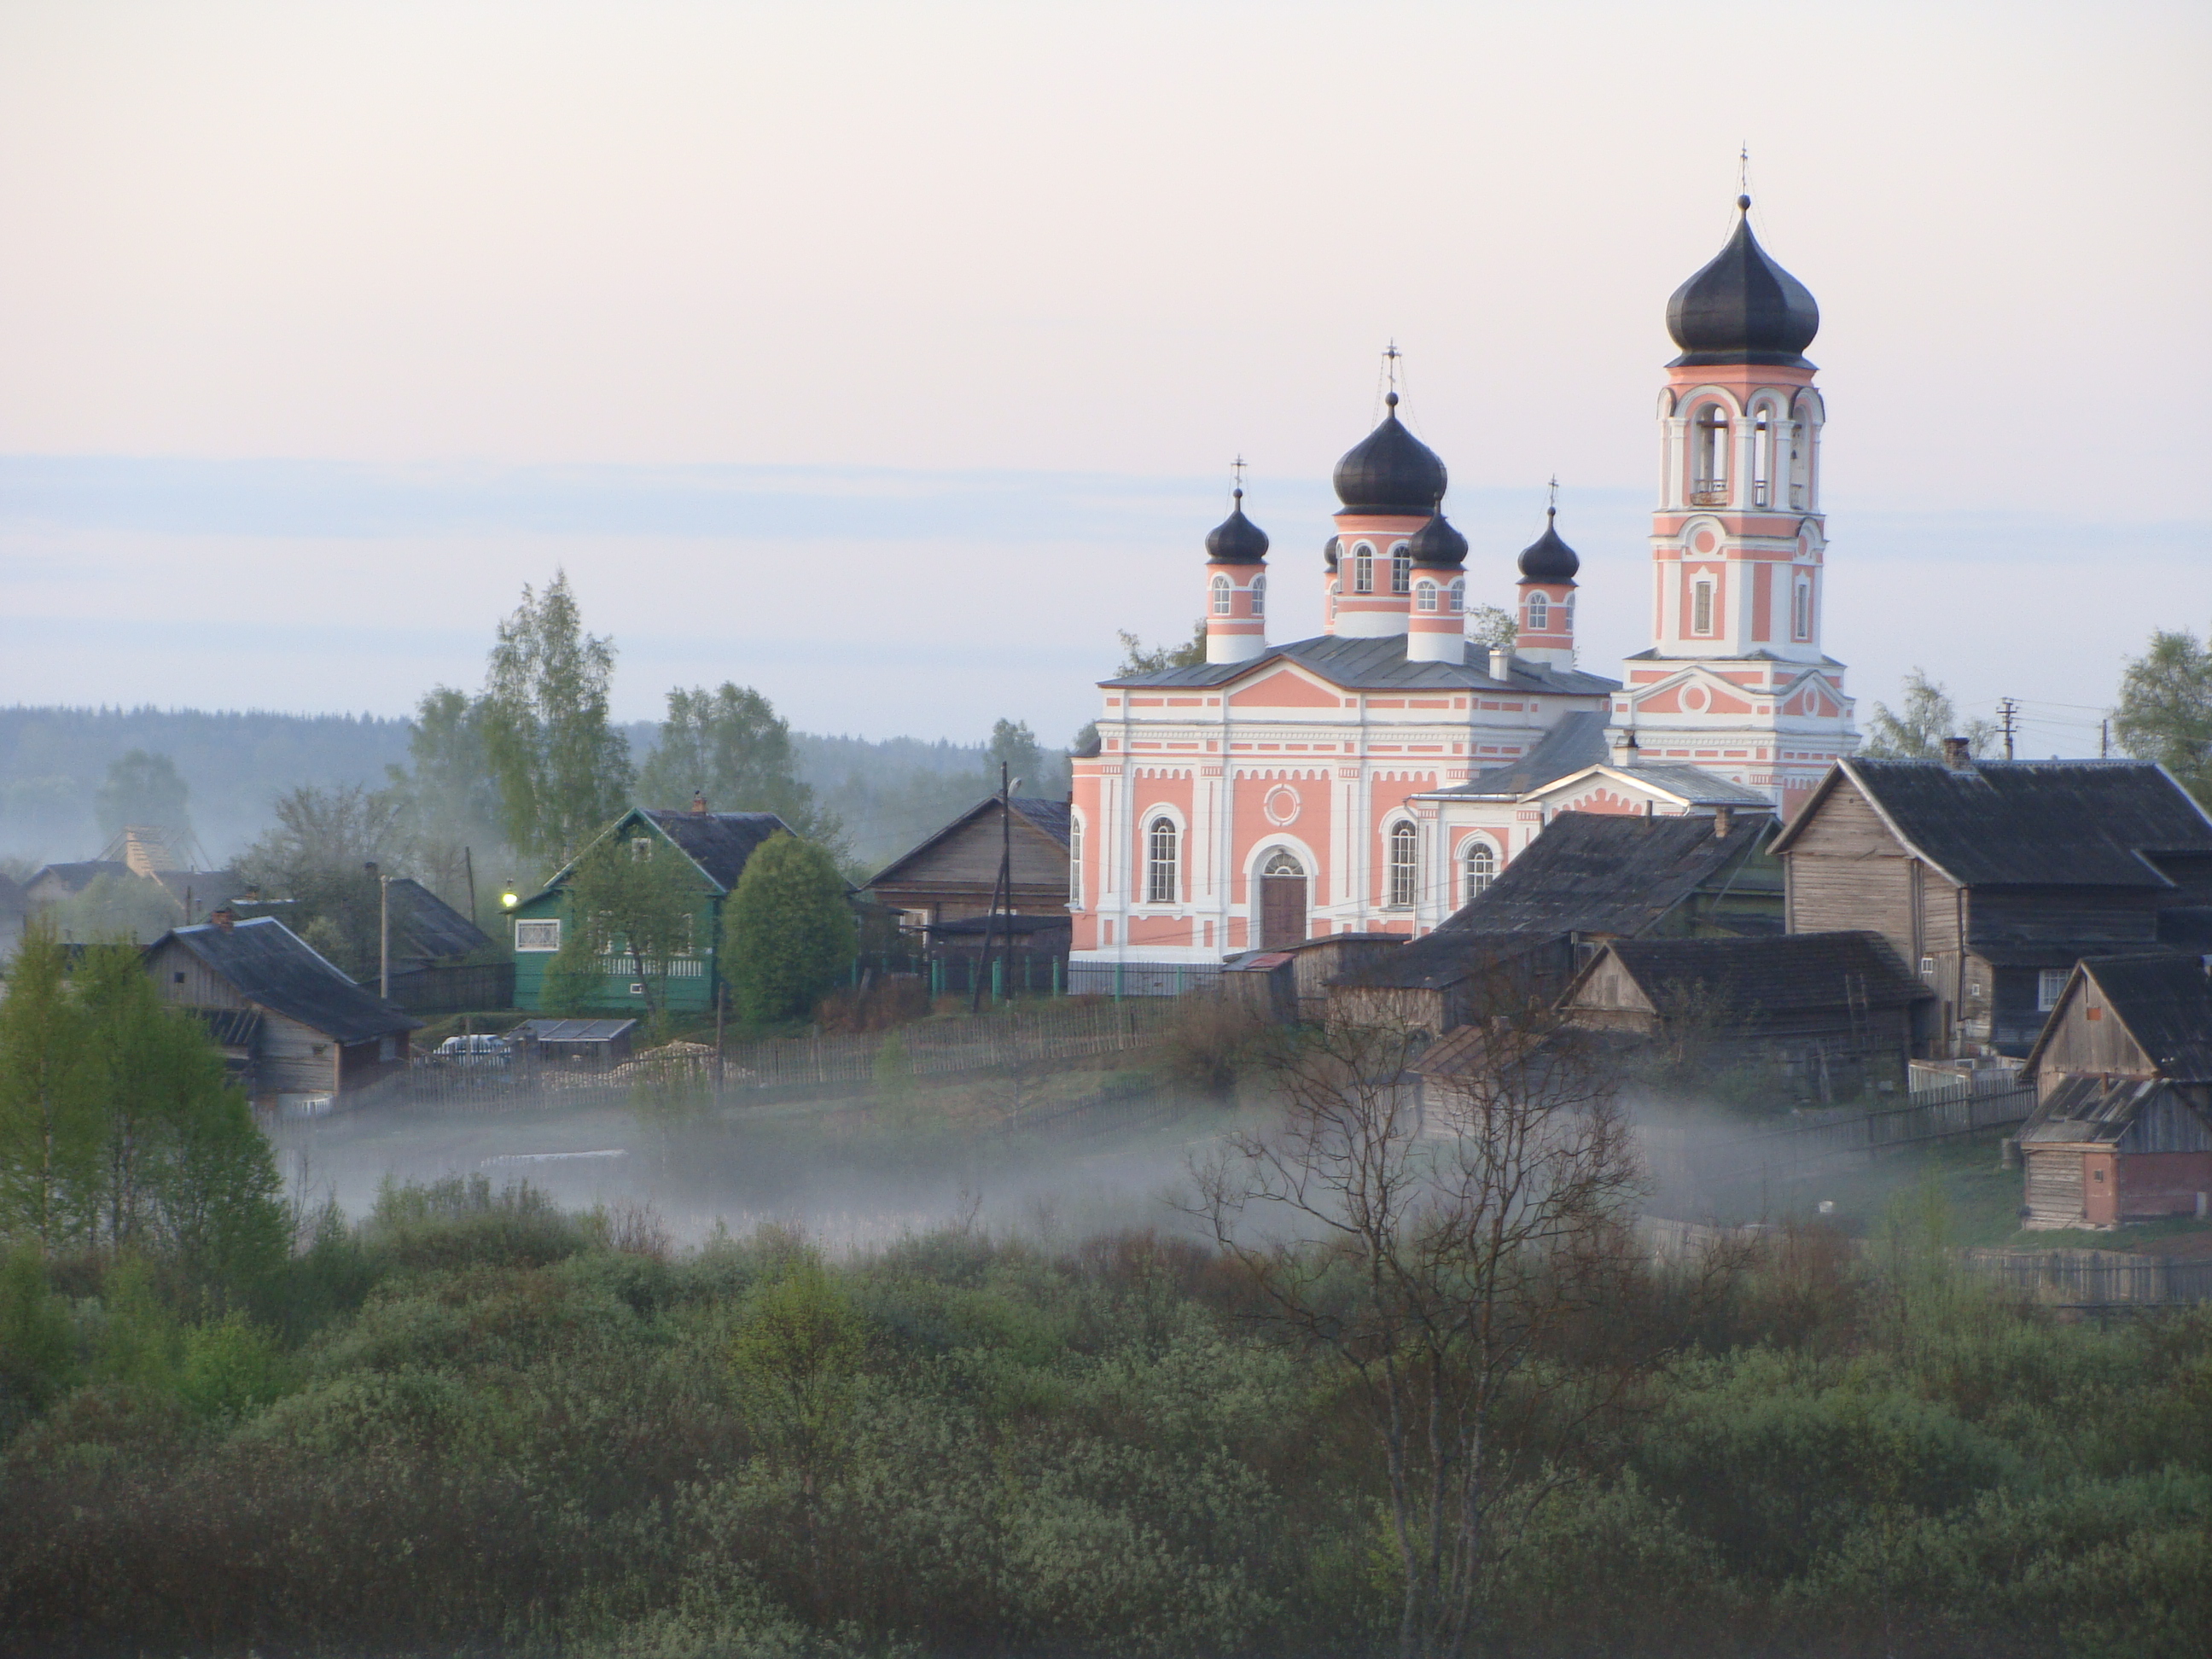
column 890, row 357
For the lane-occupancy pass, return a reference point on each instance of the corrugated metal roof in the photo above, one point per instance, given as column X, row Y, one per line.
column 2098, row 1111
column 573, row 1031
column 1380, row 665
column 267, row 963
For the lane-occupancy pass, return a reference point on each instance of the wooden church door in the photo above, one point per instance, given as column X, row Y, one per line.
column 1282, row 902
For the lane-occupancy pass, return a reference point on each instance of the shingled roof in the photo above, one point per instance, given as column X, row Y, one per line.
column 271, row 967
column 1610, row 874
column 2163, row 999
column 2028, row 824
column 1380, row 665
column 719, row 843
column 1785, row 973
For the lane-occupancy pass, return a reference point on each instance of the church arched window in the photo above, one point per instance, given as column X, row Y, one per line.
column 1459, row 595
column 1259, row 596
column 1801, row 616
column 1425, row 596
column 1221, row 596
column 1701, row 607
column 1401, row 569
column 1363, row 569
column 1540, row 613
column 1161, row 874
column 1480, row 862
column 1708, row 473
column 1404, row 863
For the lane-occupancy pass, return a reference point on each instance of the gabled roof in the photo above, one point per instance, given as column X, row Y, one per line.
column 1578, row 741
column 719, row 843
column 271, row 967
column 1691, row 785
column 1380, row 665
column 424, row 925
column 74, row 878
column 2026, row 824
column 2163, row 1000
column 1747, row 976
column 1054, row 818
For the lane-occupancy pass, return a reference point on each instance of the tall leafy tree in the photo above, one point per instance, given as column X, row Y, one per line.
column 640, row 898
column 2165, row 712
column 141, row 788
column 50, row 1150
column 1138, row 658
column 449, row 796
column 1916, row 730
column 787, row 932
column 315, row 857
column 562, row 768
column 1015, row 746
column 729, row 746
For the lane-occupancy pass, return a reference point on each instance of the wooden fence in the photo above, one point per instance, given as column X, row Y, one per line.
column 2094, row 1279
column 1705, row 1156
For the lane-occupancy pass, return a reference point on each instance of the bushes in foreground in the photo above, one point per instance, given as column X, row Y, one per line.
column 477, row 1424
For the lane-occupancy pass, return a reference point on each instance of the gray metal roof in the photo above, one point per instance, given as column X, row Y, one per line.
column 1752, row 976
column 573, row 1030
column 1578, row 741
column 1371, row 665
column 271, row 966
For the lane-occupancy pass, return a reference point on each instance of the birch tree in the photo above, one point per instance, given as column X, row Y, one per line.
column 563, row 769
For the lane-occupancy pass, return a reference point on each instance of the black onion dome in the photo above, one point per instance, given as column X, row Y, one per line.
column 1437, row 543
column 1743, row 308
column 1548, row 559
column 1390, row 470
column 1235, row 540
column 1331, row 551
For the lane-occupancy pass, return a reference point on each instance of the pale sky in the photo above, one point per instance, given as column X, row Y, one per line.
column 890, row 357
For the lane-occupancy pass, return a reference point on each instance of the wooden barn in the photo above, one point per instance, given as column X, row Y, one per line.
column 1587, row 879
column 1831, row 1011
column 1992, row 879
column 297, row 1032
column 951, row 875
column 2123, row 1124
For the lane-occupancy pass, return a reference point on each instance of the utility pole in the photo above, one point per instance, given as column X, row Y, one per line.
column 2008, row 720
column 1002, row 884
column 2104, row 738
column 469, row 865
column 383, row 932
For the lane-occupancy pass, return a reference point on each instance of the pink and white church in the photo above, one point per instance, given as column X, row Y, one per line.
column 1375, row 778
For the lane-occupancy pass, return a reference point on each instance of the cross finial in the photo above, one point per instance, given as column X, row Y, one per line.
column 1743, row 178
column 1552, row 506
column 1236, row 467
column 1390, row 355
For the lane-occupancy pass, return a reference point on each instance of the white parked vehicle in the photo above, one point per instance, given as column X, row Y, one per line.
column 478, row 1050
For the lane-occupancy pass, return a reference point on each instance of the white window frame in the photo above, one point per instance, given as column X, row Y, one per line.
column 1074, row 863
column 1478, row 867
column 1401, row 569
column 1424, row 595
column 641, row 850
column 2049, row 986
column 1709, row 465
column 1163, row 871
column 547, row 928
column 1259, row 596
column 1458, row 592
column 1701, row 607
column 1402, row 865
column 1800, row 613
column 1220, row 586
column 1363, row 569
column 1540, row 614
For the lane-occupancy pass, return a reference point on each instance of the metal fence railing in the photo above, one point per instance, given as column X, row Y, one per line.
column 1141, row 979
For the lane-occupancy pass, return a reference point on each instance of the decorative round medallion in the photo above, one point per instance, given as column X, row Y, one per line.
column 1697, row 700
column 1704, row 541
column 1281, row 806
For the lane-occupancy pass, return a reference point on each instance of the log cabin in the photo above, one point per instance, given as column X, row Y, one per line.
column 1992, row 879
column 294, row 1029
column 2122, row 1129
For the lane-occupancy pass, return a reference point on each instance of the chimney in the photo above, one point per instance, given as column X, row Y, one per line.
column 1955, row 756
column 223, row 917
column 1721, row 816
column 699, row 802
column 1501, row 662
column 1624, row 747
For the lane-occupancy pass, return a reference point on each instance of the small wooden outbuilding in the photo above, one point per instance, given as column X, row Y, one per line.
column 2122, row 1070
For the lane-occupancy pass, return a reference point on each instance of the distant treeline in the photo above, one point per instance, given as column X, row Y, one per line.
column 236, row 763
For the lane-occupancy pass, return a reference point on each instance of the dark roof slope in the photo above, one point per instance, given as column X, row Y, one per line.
column 1380, row 665
column 1793, row 971
column 718, row 842
column 1578, row 741
column 1443, row 958
column 1594, row 872
column 269, row 964
column 424, row 924
column 74, row 878
column 2033, row 824
column 1054, row 818
column 2165, row 1002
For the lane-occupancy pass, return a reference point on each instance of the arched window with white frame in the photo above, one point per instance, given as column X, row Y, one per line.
column 1363, row 569
column 1220, row 596
column 1478, row 861
column 1709, row 469
column 1401, row 569
column 1163, row 872
column 1074, row 863
column 1801, row 611
column 1424, row 595
column 1259, row 596
column 1701, row 606
column 1540, row 613
column 1458, row 591
column 1404, row 864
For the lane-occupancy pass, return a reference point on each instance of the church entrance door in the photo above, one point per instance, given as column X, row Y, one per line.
column 1282, row 902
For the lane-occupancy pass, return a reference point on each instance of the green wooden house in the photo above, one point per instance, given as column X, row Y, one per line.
column 716, row 844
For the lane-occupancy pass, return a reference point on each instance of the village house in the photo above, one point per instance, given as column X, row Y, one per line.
column 1831, row 1013
column 429, row 942
column 2122, row 1129
column 1283, row 792
column 1992, row 879
column 295, row 1031
column 946, row 893
column 1590, row 878
column 713, row 845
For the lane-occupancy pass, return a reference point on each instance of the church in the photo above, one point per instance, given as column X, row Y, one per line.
column 1375, row 778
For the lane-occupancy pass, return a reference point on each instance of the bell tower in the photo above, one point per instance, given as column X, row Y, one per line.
column 1235, row 585
column 1736, row 681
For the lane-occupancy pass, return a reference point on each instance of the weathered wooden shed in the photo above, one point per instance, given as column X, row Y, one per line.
column 1587, row 879
column 952, row 874
column 2122, row 1070
column 295, row 1028
column 1833, row 1011
column 1991, row 879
